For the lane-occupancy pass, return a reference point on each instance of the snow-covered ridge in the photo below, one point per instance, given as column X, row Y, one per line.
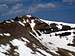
column 32, row 36
column 49, row 22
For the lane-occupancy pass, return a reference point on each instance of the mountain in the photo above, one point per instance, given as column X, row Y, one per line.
column 32, row 36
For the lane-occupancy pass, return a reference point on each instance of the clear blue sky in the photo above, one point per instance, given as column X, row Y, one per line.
column 57, row 10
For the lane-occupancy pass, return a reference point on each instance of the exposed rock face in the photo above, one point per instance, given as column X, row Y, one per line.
column 31, row 36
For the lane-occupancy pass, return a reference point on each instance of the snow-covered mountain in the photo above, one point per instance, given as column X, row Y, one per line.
column 31, row 36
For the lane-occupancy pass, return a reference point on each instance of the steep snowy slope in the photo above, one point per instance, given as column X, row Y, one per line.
column 31, row 36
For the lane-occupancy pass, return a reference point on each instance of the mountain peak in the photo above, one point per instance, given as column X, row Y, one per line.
column 31, row 36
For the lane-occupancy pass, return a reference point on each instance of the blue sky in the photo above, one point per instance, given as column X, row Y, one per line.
column 56, row 10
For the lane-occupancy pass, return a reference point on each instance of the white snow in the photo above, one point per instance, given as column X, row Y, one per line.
column 32, row 24
column 7, row 34
column 1, row 54
column 59, row 26
column 22, row 49
column 44, row 52
column 28, row 15
column 4, row 48
column 49, row 22
column 25, row 39
column 57, row 41
column 7, row 47
column 12, row 20
column 70, row 54
column 1, row 34
column 24, row 21
column 27, row 20
column 8, row 21
column 21, row 23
